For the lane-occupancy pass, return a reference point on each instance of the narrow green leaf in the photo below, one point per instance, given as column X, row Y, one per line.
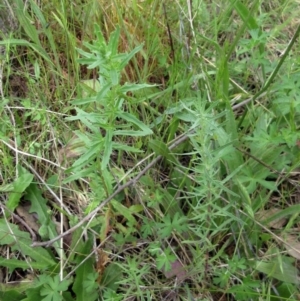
column 134, row 87
column 293, row 209
column 173, row 128
column 38, row 12
column 101, row 95
column 38, row 49
column 124, row 147
column 136, row 208
column 186, row 116
column 161, row 149
column 83, row 272
column 83, row 101
column 245, row 14
column 13, row 264
column 92, row 151
column 130, row 133
column 100, row 38
column 225, row 78
column 129, row 56
column 114, row 41
column 126, row 212
column 107, row 149
column 285, row 272
column 245, row 194
column 132, row 119
column 78, row 173
column 25, row 22
column 114, row 76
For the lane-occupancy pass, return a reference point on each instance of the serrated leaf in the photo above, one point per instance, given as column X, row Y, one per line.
column 19, row 186
column 38, row 205
column 90, row 284
column 43, row 231
column 21, row 241
column 37, row 253
column 10, row 233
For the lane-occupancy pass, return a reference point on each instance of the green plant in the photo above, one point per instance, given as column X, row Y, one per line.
column 52, row 288
column 181, row 189
column 110, row 113
column 164, row 258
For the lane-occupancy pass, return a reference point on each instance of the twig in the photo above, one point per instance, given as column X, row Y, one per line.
column 14, row 148
column 169, row 32
column 120, row 188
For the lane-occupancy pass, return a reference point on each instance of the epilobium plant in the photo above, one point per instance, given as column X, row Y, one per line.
column 109, row 118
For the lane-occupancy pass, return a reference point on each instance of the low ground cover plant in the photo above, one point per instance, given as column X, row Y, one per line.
column 149, row 151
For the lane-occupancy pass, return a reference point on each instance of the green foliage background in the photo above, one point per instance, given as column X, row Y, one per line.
column 149, row 150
